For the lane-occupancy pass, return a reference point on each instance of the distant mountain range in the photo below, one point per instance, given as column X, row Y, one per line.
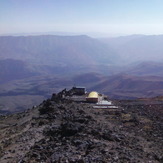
column 137, row 47
column 34, row 67
column 56, row 50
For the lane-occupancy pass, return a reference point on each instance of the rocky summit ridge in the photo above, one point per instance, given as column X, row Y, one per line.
column 64, row 131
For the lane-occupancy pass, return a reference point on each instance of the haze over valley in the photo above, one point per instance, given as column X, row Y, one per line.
column 34, row 67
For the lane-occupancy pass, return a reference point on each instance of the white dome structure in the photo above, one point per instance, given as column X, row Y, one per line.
column 93, row 97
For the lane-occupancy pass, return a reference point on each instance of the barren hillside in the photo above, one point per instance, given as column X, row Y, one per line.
column 62, row 131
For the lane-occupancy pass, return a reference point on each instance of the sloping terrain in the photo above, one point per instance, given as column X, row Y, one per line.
column 64, row 131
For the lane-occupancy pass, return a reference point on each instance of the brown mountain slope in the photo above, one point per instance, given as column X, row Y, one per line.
column 126, row 86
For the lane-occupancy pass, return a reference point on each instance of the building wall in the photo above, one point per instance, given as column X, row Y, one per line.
column 94, row 100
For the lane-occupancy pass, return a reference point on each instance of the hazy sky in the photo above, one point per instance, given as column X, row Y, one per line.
column 114, row 17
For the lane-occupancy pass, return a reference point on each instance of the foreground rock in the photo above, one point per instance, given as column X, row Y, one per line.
column 63, row 131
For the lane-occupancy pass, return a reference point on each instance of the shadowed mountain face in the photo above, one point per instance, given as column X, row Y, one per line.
column 81, row 50
column 13, row 70
column 56, row 50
